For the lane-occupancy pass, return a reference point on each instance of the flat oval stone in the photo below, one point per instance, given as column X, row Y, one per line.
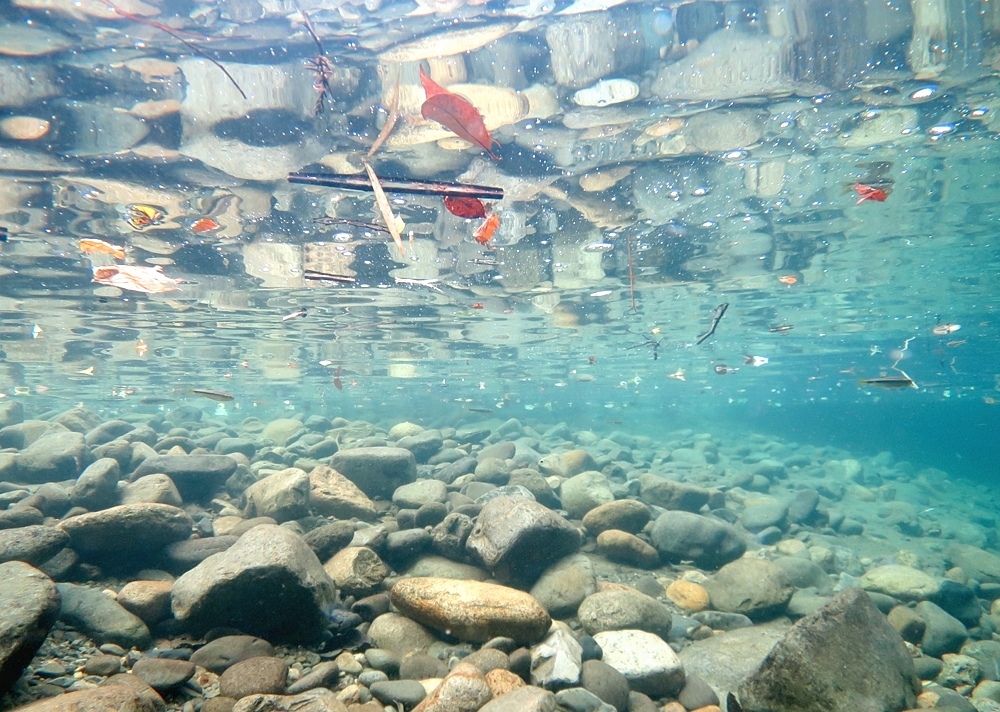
column 471, row 610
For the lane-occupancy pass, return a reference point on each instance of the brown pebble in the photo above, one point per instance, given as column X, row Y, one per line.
column 218, row 704
column 263, row 676
column 103, row 665
column 502, row 681
column 687, row 595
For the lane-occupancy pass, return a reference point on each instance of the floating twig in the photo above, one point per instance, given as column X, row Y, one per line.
column 176, row 34
column 314, row 275
column 348, row 221
column 716, row 318
column 631, row 274
column 320, row 66
column 398, row 185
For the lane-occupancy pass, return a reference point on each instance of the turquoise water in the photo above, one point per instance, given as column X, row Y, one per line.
column 725, row 183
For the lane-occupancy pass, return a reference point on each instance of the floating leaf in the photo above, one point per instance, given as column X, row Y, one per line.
column 465, row 207
column 89, row 246
column 383, row 205
column 484, row 233
column 135, row 278
column 455, row 114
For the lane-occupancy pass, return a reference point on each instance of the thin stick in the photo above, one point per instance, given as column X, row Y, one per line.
column 354, row 223
column 173, row 33
column 390, row 122
column 631, row 274
column 383, row 205
column 398, row 185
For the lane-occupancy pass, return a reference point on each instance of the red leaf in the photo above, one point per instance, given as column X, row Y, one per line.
column 870, row 192
column 465, row 207
column 455, row 114
column 484, row 233
column 431, row 87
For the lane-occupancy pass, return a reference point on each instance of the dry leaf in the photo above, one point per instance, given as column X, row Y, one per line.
column 150, row 280
column 383, row 205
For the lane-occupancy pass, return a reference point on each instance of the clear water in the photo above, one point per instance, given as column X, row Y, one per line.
column 724, row 186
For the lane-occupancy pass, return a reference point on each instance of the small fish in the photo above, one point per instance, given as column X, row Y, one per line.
column 89, row 371
column 888, row 382
column 955, row 344
column 91, row 246
column 484, row 233
column 754, row 360
column 788, row 279
column 36, row 331
column 677, row 375
column 869, row 192
column 783, row 327
column 599, row 247
column 478, row 305
column 140, row 216
column 205, row 225
column 22, row 391
column 488, row 262
column 295, row 315
column 155, row 400
column 591, row 360
column 141, row 347
column 601, row 293
column 722, row 369
column 481, row 410
column 212, row 394
column 337, row 383
column 943, row 329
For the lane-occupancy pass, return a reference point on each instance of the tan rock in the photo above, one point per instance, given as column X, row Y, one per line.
column 628, row 515
column 503, row 681
column 153, row 69
column 471, row 610
column 576, row 461
column 627, row 548
column 463, row 690
column 121, row 697
column 24, row 128
column 149, row 600
column 333, row 495
column 357, row 570
column 687, row 595
column 404, row 429
column 155, row 109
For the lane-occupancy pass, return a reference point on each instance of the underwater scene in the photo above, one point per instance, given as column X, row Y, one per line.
column 499, row 355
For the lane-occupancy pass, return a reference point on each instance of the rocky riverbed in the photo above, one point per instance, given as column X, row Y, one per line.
column 181, row 561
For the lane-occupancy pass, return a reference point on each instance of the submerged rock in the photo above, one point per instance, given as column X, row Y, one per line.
column 377, row 471
column 518, row 538
column 269, row 583
column 471, row 610
column 845, row 657
column 707, row 541
column 29, row 605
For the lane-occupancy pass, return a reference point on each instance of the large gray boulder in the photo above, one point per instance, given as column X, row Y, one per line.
column 518, row 538
column 707, row 541
column 269, row 584
column 127, row 531
column 29, row 605
column 56, row 456
column 197, row 477
column 843, row 658
column 377, row 471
